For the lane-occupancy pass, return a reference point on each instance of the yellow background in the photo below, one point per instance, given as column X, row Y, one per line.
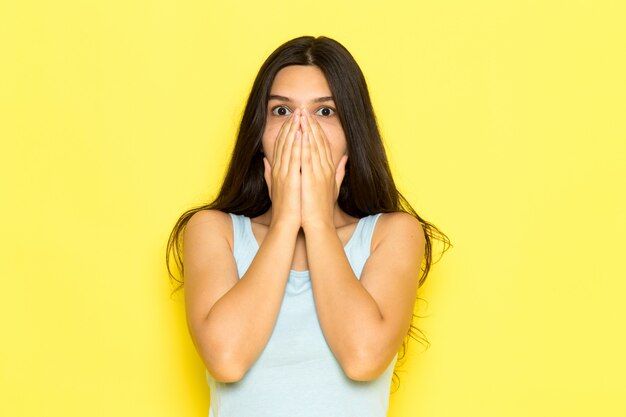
column 505, row 126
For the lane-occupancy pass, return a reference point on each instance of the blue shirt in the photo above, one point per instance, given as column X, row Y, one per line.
column 297, row 375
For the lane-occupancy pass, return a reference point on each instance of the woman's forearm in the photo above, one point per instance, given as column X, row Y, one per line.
column 347, row 312
column 241, row 322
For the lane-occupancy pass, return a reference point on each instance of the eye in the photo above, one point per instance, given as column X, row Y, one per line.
column 325, row 112
column 280, row 111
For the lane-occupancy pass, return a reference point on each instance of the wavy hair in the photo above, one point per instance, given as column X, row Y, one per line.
column 367, row 188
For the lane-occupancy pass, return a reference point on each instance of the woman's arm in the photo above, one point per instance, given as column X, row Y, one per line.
column 364, row 321
column 230, row 320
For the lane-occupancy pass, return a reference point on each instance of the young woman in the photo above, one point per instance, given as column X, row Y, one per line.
column 301, row 275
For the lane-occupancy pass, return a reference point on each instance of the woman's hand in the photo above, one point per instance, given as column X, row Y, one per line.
column 283, row 177
column 321, row 180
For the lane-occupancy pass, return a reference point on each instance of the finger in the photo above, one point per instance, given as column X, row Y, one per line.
column 306, row 154
column 341, row 170
column 294, row 163
column 340, row 173
column 267, row 173
column 286, row 155
column 326, row 143
column 320, row 141
column 278, row 143
column 314, row 156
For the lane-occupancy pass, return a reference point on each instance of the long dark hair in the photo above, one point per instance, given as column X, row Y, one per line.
column 367, row 187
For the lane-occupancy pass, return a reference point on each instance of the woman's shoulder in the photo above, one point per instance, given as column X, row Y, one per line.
column 209, row 215
column 213, row 221
column 397, row 225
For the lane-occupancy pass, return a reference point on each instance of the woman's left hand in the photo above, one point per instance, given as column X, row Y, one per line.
column 321, row 180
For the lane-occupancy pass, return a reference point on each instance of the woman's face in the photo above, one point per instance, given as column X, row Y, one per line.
column 305, row 87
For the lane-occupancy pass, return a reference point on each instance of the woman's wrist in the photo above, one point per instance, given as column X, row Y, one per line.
column 285, row 225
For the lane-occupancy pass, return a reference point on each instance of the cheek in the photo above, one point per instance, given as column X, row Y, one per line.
column 337, row 141
column 269, row 138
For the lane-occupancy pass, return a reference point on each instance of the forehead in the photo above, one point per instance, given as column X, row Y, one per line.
column 300, row 79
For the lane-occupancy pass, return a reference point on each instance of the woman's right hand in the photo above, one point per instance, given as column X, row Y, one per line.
column 283, row 176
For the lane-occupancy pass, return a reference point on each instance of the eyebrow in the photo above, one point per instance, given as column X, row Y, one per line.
column 287, row 99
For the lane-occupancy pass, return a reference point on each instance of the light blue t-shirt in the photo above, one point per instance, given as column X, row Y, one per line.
column 297, row 375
